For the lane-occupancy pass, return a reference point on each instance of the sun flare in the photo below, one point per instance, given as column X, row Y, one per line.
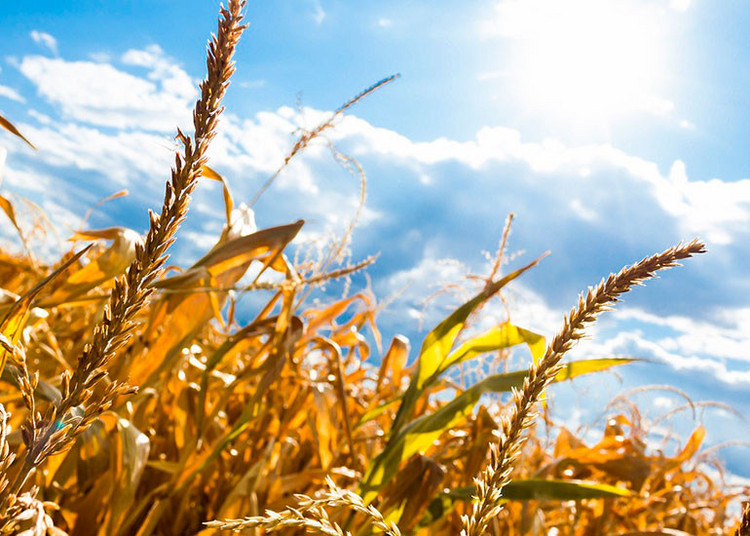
column 585, row 59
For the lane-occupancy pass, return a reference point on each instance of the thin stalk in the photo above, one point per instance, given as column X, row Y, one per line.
column 496, row 475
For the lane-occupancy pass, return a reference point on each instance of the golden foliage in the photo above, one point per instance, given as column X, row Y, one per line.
column 281, row 423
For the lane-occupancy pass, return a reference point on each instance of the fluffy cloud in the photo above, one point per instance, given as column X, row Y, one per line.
column 578, row 181
column 712, row 208
column 102, row 95
column 123, row 158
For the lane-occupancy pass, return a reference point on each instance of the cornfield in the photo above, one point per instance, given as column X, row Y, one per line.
column 135, row 402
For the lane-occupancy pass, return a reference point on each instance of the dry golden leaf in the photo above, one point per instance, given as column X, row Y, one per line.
column 16, row 318
column 10, row 127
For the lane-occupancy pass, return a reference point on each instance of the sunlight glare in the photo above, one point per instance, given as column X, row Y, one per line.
column 587, row 59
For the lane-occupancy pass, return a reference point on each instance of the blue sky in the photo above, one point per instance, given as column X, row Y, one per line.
column 611, row 129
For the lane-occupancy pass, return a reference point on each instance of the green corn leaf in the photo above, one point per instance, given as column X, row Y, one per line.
column 504, row 335
column 419, row 434
column 438, row 344
column 525, row 490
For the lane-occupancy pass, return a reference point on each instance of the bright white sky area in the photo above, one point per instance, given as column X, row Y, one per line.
column 612, row 129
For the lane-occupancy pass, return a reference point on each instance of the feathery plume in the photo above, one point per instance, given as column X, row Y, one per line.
column 496, row 475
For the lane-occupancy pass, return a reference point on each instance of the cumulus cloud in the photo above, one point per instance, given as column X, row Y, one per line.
column 124, row 157
column 713, row 372
column 713, row 208
column 163, row 71
column 724, row 338
column 101, row 94
column 44, row 39
column 143, row 106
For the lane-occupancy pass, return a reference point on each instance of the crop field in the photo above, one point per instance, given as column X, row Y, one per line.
column 137, row 399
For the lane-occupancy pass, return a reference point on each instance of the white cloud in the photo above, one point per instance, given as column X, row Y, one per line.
column 160, row 98
column 100, row 94
column 27, row 181
column 531, row 311
column 10, row 93
column 634, row 344
column 443, row 279
column 42, row 118
column 718, row 348
column 123, row 157
column 162, row 69
column 725, row 337
column 713, row 208
column 385, row 22
column 715, row 348
column 434, row 287
column 44, row 39
column 100, row 57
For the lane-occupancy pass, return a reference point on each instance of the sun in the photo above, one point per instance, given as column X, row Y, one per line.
column 585, row 59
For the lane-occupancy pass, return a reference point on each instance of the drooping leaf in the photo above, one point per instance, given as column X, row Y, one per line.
column 101, row 270
column 10, row 211
column 423, row 431
column 16, row 318
column 10, row 127
column 526, row 490
column 438, row 344
column 189, row 301
column 244, row 249
column 504, row 335
column 394, row 361
column 315, row 318
column 210, row 173
column 130, row 453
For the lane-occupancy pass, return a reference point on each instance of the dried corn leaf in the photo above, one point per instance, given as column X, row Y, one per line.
column 16, row 318
column 105, row 267
column 10, row 127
